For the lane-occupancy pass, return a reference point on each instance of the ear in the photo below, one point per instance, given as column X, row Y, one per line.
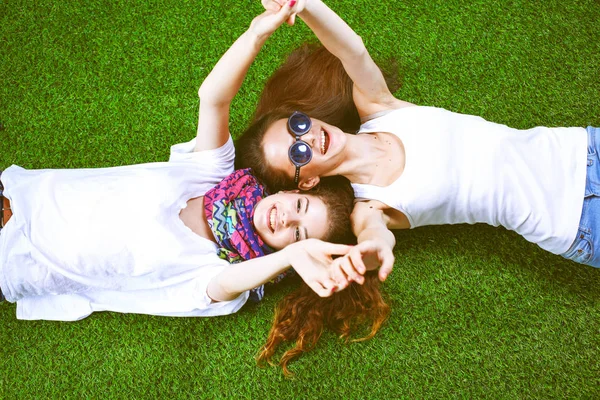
column 309, row 183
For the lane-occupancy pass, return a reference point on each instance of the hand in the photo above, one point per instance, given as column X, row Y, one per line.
column 366, row 256
column 267, row 22
column 312, row 260
column 275, row 5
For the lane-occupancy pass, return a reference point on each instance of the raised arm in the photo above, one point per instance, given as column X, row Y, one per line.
column 371, row 93
column 222, row 84
column 311, row 258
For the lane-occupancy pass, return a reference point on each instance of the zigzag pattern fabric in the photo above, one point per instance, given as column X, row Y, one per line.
column 229, row 208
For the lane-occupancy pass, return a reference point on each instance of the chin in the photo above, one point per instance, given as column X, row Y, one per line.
column 272, row 245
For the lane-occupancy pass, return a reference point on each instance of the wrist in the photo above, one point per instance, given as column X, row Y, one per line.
column 308, row 4
column 256, row 39
column 310, row 7
column 294, row 250
column 289, row 252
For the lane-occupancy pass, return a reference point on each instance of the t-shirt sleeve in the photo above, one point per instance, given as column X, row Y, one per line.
column 223, row 156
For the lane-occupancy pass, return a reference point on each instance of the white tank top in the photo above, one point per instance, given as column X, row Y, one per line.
column 463, row 169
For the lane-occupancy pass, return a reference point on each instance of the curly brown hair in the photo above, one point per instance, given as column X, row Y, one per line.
column 313, row 81
column 302, row 315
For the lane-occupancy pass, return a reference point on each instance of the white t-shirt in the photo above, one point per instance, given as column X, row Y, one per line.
column 110, row 239
column 463, row 169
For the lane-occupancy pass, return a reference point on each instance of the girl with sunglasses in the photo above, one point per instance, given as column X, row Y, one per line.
column 414, row 166
column 158, row 238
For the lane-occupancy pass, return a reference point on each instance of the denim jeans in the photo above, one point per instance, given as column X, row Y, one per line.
column 588, row 236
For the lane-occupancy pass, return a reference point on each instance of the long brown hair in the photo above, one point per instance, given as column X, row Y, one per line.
column 302, row 316
column 311, row 80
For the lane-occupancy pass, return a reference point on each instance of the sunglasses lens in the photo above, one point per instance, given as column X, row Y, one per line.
column 299, row 123
column 300, row 153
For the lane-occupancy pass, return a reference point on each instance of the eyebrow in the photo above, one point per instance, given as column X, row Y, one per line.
column 306, row 213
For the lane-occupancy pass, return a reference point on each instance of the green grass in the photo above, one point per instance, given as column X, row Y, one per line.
column 478, row 312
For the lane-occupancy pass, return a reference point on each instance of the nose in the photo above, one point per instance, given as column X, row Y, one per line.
column 310, row 137
column 288, row 218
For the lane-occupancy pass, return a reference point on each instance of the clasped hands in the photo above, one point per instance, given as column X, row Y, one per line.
column 314, row 261
column 296, row 6
column 276, row 13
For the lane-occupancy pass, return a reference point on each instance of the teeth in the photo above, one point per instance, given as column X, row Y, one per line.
column 322, row 142
column 272, row 219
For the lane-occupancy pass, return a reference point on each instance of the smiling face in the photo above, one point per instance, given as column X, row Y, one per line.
column 287, row 217
column 326, row 141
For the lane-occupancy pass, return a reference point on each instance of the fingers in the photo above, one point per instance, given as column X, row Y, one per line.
column 318, row 289
column 291, row 19
column 272, row 5
column 336, row 249
column 369, row 255
column 330, row 287
column 349, row 268
column 323, row 289
column 287, row 5
column 357, row 261
column 279, row 5
column 387, row 259
column 344, row 271
column 284, row 12
column 338, row 274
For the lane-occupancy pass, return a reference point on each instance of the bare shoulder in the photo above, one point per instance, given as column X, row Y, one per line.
column 369, row 105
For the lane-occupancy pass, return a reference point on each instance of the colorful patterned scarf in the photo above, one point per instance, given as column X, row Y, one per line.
column 229, row 208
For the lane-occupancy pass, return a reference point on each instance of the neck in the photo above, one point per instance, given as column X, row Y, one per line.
column 362, row 156
column 193, row 217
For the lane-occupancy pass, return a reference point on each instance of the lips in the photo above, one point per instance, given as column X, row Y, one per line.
column 324, row 141
column 272, row 219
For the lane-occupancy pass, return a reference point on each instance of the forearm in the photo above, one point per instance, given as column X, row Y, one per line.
column 369, row 222
column 332, row 31
column 247, row 275
column 377, row 233
column 221, row 85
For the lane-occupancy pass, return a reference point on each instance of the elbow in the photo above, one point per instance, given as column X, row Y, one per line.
column 208, row 97
column 218, row 292
column 359, row 50
column 207, row 91
column 202, row 91
column 207, row 100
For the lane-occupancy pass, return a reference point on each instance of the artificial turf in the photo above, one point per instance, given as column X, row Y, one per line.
column 478, row 312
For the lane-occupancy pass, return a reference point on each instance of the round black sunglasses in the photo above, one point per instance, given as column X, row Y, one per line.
column 300, row 153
